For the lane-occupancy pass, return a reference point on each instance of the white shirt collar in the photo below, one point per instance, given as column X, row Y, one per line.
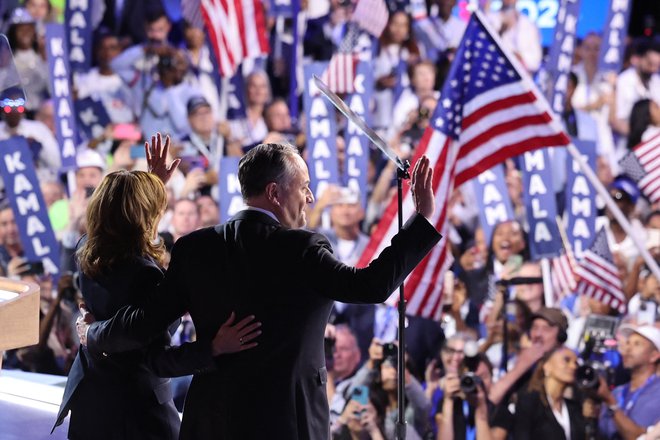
column 265, row 211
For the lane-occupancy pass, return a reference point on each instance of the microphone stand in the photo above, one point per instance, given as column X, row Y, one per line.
column 403, row 167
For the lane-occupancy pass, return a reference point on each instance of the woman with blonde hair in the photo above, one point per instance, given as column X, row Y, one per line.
column 544, row 411
column 128, row 395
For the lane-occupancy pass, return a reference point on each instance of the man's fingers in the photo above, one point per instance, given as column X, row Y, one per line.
column 147, row 151
column 243, row 322
column 250, row 328
column 166, row 147
column 230, row 320
column 248, row 346
column 250, row 336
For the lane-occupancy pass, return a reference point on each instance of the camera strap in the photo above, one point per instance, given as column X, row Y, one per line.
column 627, row 402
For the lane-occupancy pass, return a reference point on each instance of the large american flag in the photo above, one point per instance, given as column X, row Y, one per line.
column 487, row 113
column 237, row 31
column 599, row 277
column 643, row 165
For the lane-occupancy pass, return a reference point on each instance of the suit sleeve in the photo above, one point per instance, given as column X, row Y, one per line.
column 376, row 282
column 186, row 359
column 524, row 417
column 134, row 327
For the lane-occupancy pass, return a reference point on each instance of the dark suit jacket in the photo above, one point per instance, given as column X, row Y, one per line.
column 121, row 396
column 423, row 336
column 534, row 420
column 288, row 279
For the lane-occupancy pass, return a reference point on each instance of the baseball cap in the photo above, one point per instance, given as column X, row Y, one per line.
column 21, row 16
column 626, row 185
column 553, row 316
column 196, row 102
column 649, row 332
column 90, row 158
column 348, row 196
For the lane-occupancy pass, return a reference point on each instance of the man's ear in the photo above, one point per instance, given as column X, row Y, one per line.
column 272, row 193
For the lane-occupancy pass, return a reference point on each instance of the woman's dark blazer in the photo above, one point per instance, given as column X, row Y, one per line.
column 534, row 420
column 128, row 395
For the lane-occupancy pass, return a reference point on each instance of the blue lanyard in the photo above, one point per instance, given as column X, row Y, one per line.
column 627, row 403
column 470, row 431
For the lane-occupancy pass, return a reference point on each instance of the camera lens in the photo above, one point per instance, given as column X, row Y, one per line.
column 586, row 377
column 469, row 383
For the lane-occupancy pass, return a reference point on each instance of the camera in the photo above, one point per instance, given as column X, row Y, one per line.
column 470, row 383
column 390, row 350
column 593, row 367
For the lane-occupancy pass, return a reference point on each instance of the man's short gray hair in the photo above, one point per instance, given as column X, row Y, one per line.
column 264, row 164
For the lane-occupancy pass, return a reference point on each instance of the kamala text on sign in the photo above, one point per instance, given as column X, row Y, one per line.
column 493, row 199
column 322, row 135
column 581, row 200
column 357, row 143
column 231, row 200
column 561, row 52
column 616, row 28
column 58, row 64
column 541, row 205
column 79, row 30
column 24, row 193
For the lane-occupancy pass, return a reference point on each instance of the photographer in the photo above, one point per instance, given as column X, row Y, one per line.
column 465, row 408
column 380, row 372
column 627, row 411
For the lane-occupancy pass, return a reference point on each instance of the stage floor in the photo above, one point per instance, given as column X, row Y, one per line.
column 29, row 404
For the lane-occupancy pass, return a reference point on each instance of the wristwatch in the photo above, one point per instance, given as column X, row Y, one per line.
column 611, row 409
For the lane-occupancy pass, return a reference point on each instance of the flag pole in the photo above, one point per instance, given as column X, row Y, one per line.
column 611, row 204
column 547, row 282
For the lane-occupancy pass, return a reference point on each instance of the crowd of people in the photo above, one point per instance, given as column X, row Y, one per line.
column 499, row 362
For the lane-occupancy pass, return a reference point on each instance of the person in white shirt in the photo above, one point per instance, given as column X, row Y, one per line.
column 519, row 34
column 640, row 81
column 440, row 30
column 103, row 84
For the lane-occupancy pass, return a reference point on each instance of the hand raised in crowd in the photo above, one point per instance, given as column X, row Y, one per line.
column 375, row 353
column 421, row 187
column 195, row 180
column 530, row 355
column 156, row 153
column 232, row 338
column 451, row 385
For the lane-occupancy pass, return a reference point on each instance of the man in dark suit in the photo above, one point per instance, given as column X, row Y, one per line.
column 262, row 262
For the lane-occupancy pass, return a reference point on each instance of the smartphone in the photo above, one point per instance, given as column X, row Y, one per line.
column 361, row 394
column 33, row 268
column 128, row 132
column 89, row 190
column 514, row 263
column 390, row 350
column 137, row 152
column 652, row 238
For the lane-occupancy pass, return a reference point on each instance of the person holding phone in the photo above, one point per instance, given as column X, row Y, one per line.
column 128, row 395
column 362, row 418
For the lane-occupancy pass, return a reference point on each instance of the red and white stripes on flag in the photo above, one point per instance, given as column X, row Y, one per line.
column 237, row 31
column 599, row 277
column 372, row 16
column 564, row 281
column 648, row 155
column 340, row 76
column 487, row 113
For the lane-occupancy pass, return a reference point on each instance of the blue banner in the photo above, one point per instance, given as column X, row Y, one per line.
column 27, row 202
column 236, row 96
column 282, row 8
column 560, row 59
column 92, row 117
column 321, row 133
column 231, row 200
column 60, row 74
column 493, row 199
column 540, row 204
column 616, row 29
column 354, row 174
column 580, row 200
column 78, row 20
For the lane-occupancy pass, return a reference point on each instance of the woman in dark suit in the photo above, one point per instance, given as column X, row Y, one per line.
column 543, row 412
column 127, row 395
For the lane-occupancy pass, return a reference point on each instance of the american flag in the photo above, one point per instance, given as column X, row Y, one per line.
column 237, row 31
column 599, row 277
column 371, row 15
column 643, row 165
column 487, row 113
column 340, row 75
column 563, row 278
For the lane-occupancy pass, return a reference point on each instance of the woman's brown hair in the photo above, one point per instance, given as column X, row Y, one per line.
column 122, row 220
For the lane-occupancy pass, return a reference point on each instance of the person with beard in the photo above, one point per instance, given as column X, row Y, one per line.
column 640, row 81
